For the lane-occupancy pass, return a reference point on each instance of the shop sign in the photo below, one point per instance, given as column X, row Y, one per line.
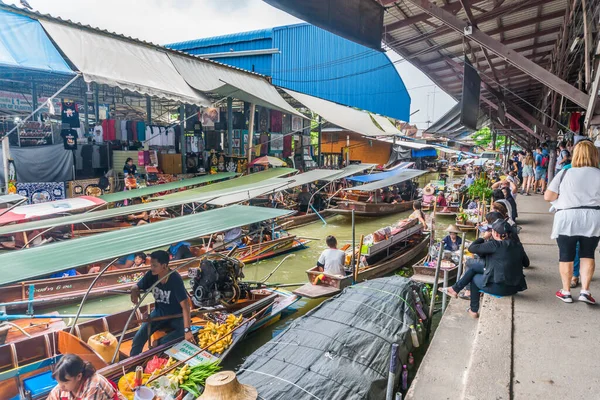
column 184, row 350
column 23, row 103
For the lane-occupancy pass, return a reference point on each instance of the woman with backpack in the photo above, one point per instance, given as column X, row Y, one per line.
column 542, row 158
column 575, row 195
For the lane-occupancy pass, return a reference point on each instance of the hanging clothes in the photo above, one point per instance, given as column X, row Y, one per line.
column 574, row 121
column 170, row 137
column 118, row 130
column 70, row 114
column 124, row 130
column 276, row 121
column 134, row 130
column 177, row 135
column 69, row 139
column 98, row 134
column 257, row 152
column 96, row 157
column 141, row 161
column 103, row 150
column 141, row 130
column 287, row 146
column 129, row 130
column 108, row 128
column 264, row 144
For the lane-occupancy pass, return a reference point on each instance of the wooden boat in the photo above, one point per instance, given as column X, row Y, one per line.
column 389, row 256
column 449, row 211
column 26, row 364
column 371, row 209
column 51, row 292
column 466, row 227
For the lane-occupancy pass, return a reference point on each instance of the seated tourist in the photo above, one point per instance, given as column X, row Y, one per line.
column 375, row 197
column 452, row 241
column 303, row 199
column 500, row 273
column 331, row 260
column 441, row 200
column 418, row 214
column 179, row 251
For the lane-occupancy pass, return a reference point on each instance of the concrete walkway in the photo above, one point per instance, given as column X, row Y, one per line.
column 530, row 346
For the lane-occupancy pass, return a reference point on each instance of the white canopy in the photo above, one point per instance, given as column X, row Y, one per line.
column 114, row 61
column 345, row 117
column 405, row 175
column 386, row 125
column 350, row 170
column 210, row 77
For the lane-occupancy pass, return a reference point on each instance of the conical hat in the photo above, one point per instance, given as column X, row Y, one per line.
column 428, row 190
column 225, row 386
column 452, row 228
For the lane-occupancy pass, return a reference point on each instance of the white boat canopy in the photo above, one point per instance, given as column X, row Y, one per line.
column 350, row 170
column 405, row 175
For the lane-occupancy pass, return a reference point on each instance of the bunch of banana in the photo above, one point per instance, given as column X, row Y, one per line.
column 219, row 333
column 179, row 375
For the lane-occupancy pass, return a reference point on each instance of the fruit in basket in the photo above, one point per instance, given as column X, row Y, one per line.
column 218, row 335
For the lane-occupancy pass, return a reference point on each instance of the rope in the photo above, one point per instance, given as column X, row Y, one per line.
column 281, row 379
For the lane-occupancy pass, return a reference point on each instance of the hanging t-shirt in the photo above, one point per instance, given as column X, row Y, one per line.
column 69, row 139
column 141, row 130
column 170, row 137
column 98, row 134
column 287, row 145
column 70, row 114
column 167, row 295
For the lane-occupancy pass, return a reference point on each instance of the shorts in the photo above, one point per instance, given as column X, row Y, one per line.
column 540, row 174
column 527, row 172
column 567, row 247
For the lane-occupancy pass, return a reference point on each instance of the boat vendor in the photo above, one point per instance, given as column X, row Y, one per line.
column 129, row 170
column 428, row 197
column 418, row 214
column 452, row 241
column 441, row 199
column 78, row 380
column 331, row 260
column 171, row 299
column 375, row 197
column 303, row 199
column 138, row 219
column 179, row 251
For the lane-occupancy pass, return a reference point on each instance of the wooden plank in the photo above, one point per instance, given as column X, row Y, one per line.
column 316, row 291
column 430, row 279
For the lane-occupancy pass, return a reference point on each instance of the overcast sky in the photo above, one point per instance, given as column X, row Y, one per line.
column 168, row 21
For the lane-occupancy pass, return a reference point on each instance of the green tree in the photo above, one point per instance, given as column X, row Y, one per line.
column 483, row 138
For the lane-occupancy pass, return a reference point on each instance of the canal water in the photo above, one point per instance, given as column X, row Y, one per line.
column 292, row 271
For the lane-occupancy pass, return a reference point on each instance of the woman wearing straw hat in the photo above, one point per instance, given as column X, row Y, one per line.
column 428, row 195
column 452, row 241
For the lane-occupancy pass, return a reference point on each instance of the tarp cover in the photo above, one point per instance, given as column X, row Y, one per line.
column 112, row 61
column 342, row 116
column 149, row 190
column 210, row 77
column 341, row 349
column 24, row 44
column 41, row 164
column 399, row 153
column 56, row 257
column 404, row 175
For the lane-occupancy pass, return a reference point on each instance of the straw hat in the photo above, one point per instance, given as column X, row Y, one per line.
column 452, row 228
column 428, row 190
column 225, row 386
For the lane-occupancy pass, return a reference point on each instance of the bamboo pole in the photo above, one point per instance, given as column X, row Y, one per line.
column 356, row 266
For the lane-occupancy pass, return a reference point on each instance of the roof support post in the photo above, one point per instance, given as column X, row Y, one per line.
column 183, row 139
column 230, row 126
column 320, row 131
column 591, row 108
column 250, row 145
column 514, row 58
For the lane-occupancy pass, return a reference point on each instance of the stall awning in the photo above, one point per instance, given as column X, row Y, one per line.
column 465, row 162
column 375, row 176
column 45, row 260
column 277, row 185
column 405, row 175
column 113, row 61
column 11, row 198
column 386, row 125
column 150, row 190
column 24, row 44
column 349, row 171
column 209, row 77
column 342, row 116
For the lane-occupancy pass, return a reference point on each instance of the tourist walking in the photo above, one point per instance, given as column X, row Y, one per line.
column 528, row 173
column 575, row 195
column 541, row 169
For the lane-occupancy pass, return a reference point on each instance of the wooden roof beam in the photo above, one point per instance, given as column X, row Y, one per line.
column 516, row 59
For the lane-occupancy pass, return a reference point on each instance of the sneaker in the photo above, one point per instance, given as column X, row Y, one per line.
column 564, row 297
column 586, row 298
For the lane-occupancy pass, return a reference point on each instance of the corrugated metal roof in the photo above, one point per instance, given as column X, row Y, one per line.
column 317, row 62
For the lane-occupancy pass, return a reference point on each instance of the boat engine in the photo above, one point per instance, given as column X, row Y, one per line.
column 216, row 281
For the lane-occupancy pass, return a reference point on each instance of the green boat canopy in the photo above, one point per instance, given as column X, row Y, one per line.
column 198, row 195
column 405, row 175
column 150, row 190
column 49, row 259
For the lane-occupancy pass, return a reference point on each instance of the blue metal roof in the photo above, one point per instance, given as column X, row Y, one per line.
column 24, row 44
column 316, row 62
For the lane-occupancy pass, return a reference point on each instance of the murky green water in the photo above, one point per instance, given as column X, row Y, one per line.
column 292, row 271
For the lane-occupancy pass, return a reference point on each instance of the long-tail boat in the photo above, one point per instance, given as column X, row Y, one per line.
column 397, row 246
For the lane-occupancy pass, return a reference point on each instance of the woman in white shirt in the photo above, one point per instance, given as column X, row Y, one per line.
column 575, row 194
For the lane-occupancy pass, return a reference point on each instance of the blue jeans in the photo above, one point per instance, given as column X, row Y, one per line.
column 141, row 337
column 576, row 262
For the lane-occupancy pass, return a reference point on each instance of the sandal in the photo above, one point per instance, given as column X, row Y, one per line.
column 472, row 314
column 574, row 281
column 464, row 295
column 449, row 291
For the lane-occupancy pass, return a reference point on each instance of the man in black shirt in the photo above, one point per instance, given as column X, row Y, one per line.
column 170, row 297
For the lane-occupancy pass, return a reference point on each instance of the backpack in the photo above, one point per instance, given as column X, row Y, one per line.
column 545, row 161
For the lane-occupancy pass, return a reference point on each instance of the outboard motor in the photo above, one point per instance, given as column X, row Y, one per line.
column 216, row 281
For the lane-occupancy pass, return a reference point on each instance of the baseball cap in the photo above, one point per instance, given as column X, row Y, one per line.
column 502, row 227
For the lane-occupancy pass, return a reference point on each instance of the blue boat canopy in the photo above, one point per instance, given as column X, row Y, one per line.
column 24, row 44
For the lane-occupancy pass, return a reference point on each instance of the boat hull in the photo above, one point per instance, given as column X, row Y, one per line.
column 296, row 221
column 371, row 209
